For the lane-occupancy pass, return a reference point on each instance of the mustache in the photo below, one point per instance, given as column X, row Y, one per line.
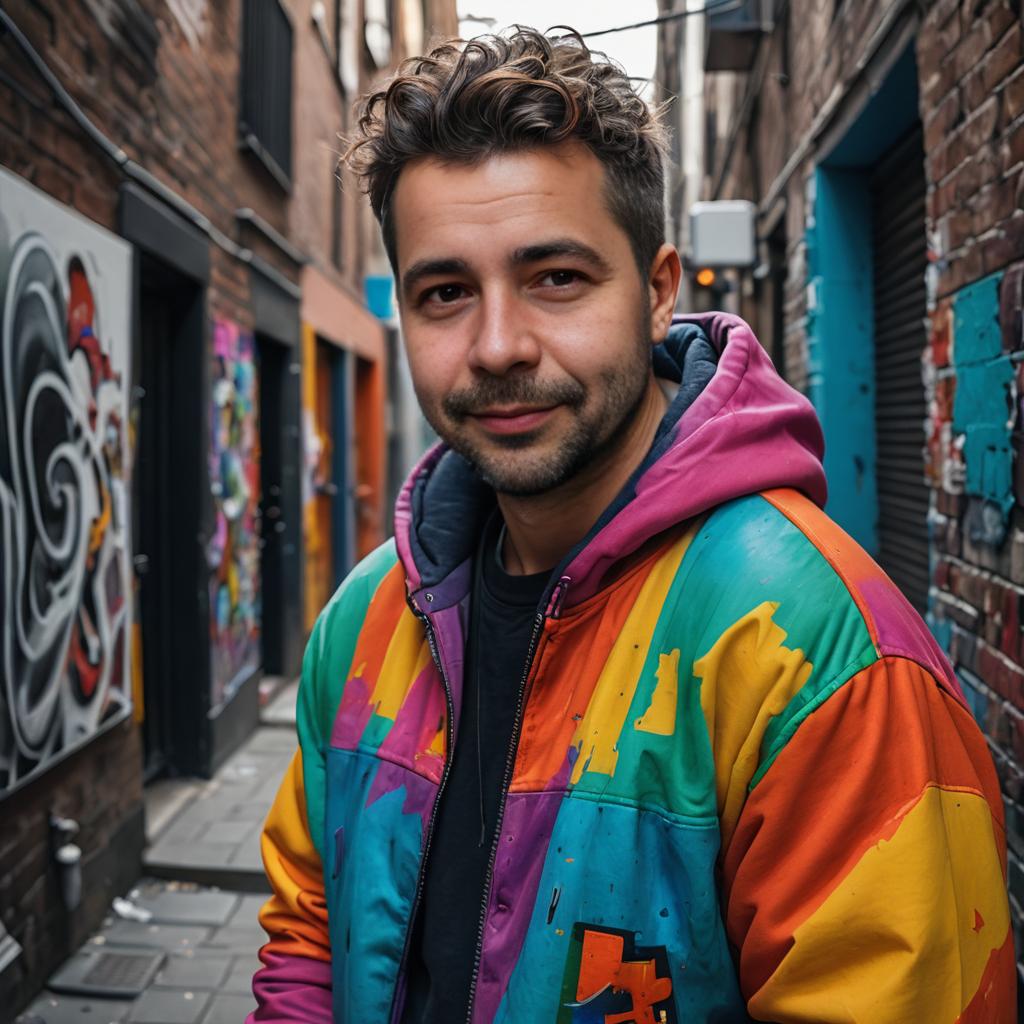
column 501, row 391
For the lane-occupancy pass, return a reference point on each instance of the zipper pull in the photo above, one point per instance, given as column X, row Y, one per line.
column 558, row 597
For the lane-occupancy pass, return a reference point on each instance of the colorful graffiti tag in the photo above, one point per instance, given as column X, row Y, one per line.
column 234, row 552
column 65, row 597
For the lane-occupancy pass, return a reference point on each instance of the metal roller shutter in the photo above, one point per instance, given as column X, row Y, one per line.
column 900, row 261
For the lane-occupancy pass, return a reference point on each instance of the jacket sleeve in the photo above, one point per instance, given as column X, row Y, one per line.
column 294, row 984
column 864, row 878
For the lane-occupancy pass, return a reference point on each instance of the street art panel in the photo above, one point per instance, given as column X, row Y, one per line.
column 65, row 595
column 234, row 550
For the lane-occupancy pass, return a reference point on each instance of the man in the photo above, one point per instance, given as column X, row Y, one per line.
column 620, row 728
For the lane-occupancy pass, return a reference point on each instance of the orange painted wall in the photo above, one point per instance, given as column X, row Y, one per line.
column 370, row 455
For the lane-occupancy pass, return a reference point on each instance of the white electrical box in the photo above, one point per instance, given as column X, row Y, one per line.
column 722, row 233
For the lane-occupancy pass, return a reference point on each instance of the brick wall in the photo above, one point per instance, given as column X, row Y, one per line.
column 971, row 69
column 970, row 62
column 318, row 129
column 812, row 57
column 168, row 98
column 165, row 92
column 161, row 81
column 100, row 787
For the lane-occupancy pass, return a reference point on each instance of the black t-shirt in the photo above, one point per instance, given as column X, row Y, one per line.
column 503, row 612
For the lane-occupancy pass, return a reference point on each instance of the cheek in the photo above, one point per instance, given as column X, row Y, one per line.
column 434, row 372
column 600, row 331
column 593, row 351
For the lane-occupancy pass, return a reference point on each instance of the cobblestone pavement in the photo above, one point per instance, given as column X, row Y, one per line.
column 182, row 948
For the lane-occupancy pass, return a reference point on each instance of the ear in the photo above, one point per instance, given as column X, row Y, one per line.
column 663, row 287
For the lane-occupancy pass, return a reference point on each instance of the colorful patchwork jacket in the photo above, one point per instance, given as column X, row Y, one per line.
column 744, row 783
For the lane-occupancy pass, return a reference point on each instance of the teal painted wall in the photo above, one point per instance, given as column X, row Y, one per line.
column 983, row 402
column 840, row 346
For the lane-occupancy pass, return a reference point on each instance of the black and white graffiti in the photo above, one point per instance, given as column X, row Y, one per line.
column 65, row 599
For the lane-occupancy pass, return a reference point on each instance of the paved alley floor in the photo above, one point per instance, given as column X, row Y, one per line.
column 193, row 958
column 214, row 836
column 181, row 947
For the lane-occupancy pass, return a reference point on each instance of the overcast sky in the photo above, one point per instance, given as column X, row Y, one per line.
column 634, row 49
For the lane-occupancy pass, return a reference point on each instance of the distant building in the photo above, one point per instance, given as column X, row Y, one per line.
column 195, row 416
column 883, row 143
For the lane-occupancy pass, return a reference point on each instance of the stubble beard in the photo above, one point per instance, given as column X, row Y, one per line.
column 507, row 463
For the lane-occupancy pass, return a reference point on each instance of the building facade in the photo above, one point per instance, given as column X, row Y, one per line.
column 194, row 409
column 883, row 145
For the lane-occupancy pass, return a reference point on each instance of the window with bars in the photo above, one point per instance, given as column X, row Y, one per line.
column 265, row 119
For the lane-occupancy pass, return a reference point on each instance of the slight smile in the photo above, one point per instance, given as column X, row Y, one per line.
column 513, row 420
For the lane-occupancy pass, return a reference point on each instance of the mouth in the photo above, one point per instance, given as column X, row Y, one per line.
column 513, row 419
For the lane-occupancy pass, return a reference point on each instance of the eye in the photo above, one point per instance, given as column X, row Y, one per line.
column 561, row 278
column 444, row 294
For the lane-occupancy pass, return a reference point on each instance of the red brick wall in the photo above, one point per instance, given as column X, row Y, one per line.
column 971, row 68
column 171, row 106
column 164, row 88
column 100, row 787
column 970, row 59
column 170, row 102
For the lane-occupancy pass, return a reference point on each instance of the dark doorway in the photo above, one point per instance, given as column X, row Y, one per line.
column 272, row 364
column 900, row 259
column 280, row 411
column 169, row 344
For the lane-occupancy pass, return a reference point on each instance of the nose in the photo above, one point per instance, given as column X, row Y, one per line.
column 504, row 340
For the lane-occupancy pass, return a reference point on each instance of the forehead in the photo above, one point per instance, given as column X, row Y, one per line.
column 481, row 210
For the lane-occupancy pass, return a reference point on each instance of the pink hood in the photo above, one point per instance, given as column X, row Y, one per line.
column 746, row 431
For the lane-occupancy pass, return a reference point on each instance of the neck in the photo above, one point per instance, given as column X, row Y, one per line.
column 542, row 529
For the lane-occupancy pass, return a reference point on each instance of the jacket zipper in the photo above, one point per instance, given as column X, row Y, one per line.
column 554, row 607
column 436, row 655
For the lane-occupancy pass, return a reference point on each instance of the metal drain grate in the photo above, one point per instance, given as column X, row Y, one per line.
column 108, row 974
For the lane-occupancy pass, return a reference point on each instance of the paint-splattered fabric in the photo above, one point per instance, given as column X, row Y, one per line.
column 746, row 786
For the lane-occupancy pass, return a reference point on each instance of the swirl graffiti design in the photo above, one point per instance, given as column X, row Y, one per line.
column 64, row 604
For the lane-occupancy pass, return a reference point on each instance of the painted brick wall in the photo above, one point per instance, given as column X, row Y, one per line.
column 971, row 68
column 970, row 61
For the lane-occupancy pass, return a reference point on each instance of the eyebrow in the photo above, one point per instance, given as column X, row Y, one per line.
column 430, row 268
column 560, row 247
column 523, row 256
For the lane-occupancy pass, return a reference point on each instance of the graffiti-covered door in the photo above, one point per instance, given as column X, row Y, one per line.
column 235, row 477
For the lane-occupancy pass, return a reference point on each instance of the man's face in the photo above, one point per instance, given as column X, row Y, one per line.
column 526, row 320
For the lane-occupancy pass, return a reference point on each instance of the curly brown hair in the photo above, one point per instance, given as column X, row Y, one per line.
column 465, row 101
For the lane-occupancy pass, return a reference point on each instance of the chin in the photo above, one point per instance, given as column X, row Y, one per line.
column 520, row 474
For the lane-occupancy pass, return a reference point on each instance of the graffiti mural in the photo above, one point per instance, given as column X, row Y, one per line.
column 234, row 552
column 65, row 597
